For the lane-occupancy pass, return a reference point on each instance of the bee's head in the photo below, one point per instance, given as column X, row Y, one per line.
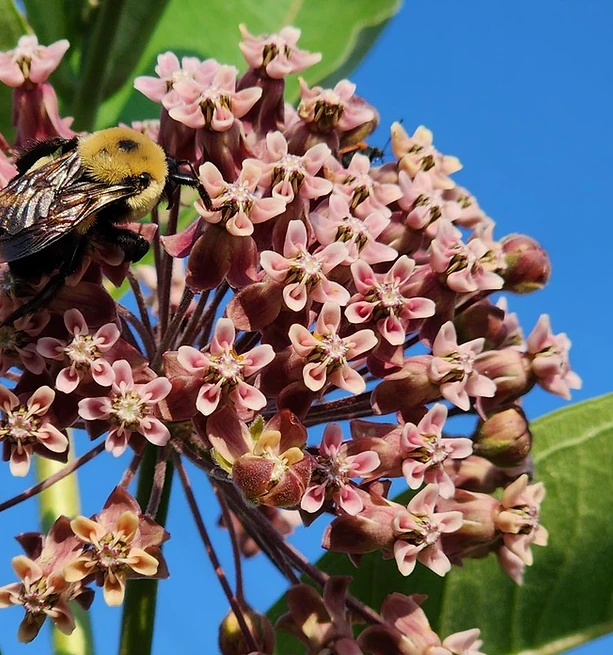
column 121, row 155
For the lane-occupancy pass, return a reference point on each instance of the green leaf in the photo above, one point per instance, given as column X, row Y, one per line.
column 567, row 596
column 211, row 30
column 53, row 20
column 12, row 26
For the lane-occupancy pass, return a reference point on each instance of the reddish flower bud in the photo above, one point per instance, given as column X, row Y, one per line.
column 528, row 265
column 476, row 474
column 410, row 387
column 510, row 370
column 478, row 529
column 483, row 319
column 504, row 438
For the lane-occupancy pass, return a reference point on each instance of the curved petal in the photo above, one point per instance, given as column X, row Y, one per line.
column 102, row 372
column 92, row 409
column 154, row 431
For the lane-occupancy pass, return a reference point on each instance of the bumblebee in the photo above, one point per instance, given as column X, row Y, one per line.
column 68, row 191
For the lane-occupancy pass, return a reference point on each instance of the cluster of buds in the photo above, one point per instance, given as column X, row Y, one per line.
column 293, row 302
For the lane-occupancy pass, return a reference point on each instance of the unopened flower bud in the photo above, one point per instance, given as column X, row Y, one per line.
column 475, row 474
column 478, row 529
column 280, row 483
column 510, row 370
column 232, row 640
column 528, row 265
column 504, row 438
column 483, row 319
column 410, row 387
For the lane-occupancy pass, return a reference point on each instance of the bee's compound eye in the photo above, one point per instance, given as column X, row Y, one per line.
column 144, row 179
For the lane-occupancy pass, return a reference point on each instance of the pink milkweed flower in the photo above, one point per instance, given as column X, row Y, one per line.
column 291, row 175
column 418, row 530
column 30, row 61
column 550, row 362
column 453, row 368
column 333, row 471
column 364, row 194
column 381, row 299
column 119, row 543
column 44, row 591
column 330, row 109
column 425, row 451
column 170, row 71
column 417, row 153
column 85, row 352
column 327, row 353
column 468, row 267
column 237, row 206
column 406, row 631
column 26, row 428
column 277, row 54
column 223, row 371
column 424, row 203
column 303, row 273
column 129, row 408
column 211, row 102
column 337, row 223
column 519, row 519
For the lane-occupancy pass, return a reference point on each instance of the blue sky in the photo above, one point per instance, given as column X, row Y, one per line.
column 521, row 92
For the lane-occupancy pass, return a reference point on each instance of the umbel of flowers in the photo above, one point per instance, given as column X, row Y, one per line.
column 294, row 303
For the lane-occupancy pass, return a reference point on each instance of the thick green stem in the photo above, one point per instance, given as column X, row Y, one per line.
column 63, row 498
column 90, row 90
column 141, row 595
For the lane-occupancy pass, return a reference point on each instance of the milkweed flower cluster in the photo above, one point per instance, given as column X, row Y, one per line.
column 293, row 303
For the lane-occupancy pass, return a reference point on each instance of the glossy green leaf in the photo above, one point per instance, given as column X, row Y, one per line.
column 567, row 596
column 53, row 20
column 12, row 26
column 208, row 29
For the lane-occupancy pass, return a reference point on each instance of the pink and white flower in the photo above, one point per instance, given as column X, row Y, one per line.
column 550, row 362
column 468, row 267
column 381, row 299
column 26, row 428
column 291, row 175
column 278, row 53
column 418, row 530
column 336, row 223
column 302, row 273
column 337, row 108
column 417, row 153
column 237, row 205
column 519, row 518
column 85, row 352
column 333, row 472
column 129, row 408
column 425, row 451
column 453, row 368
column 31, row 61
column 212, row 101
column 327, row 353
column 223, row 371
column 364, row 194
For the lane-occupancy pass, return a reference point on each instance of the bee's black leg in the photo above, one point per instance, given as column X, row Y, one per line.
column 54, row 285
column 190, row 179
